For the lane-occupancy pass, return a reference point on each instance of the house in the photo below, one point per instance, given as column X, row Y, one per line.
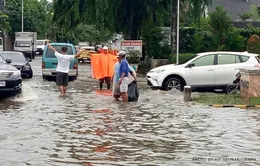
column 233, row 7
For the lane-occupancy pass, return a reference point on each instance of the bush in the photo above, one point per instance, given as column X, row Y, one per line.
column 253, row 44
column 186, row 34
column 235, row 41
column 152, row 38
column 198, row 42
column 183, row 58
column 134, row 57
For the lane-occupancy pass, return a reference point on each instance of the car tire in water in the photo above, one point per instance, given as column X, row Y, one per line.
column 44, row 77
column 173, row 83
column 31, row 74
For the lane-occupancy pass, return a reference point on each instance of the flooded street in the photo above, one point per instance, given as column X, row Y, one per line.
column 41, row 128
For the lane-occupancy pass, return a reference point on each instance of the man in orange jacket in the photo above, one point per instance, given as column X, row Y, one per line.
column 105, row 79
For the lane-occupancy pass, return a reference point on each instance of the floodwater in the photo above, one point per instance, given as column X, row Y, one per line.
column 41, row 128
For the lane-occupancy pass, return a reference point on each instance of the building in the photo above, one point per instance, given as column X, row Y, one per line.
column 233, row 7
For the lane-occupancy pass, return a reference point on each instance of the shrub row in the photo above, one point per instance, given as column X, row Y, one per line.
column 187, row 35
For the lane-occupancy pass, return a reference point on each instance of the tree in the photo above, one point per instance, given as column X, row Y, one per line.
column 4, row 22
column 197, row 7
column 127, row 16
column 220, row 25
column 34, row 16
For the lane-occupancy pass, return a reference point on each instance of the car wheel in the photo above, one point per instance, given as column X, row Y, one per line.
column 231, row 89
column 173, row 83
column 31, row 74
column 44, row 77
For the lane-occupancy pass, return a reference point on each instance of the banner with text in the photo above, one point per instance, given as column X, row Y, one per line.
column 132, row 47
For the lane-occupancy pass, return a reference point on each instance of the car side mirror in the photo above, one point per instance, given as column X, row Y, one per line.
column 8, row 61
column 29, row 60
column 191, row 65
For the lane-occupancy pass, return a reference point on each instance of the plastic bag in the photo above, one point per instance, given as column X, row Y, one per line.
column 133, row 93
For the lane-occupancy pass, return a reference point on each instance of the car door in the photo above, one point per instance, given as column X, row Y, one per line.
column 201, row 71
column 227, row 67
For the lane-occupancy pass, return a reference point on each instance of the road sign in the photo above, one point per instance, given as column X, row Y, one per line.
column 132, row 46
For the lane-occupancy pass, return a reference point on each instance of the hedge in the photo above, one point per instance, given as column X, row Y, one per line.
column 183, row 57
column 186, row 37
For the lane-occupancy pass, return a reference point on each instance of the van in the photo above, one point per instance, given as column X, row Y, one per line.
column 41, row 46
column 50, row 61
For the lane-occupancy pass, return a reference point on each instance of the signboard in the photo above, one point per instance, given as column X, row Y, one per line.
column 132, row 46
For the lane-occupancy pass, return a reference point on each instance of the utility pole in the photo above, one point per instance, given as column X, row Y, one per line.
column 22, row 15
column 178, row 33
column 173, row 25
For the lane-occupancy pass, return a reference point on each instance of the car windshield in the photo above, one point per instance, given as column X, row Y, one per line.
column 22, row 44
column 15, row 57
column 50, row 52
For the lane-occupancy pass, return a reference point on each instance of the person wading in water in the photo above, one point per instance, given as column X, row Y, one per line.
column 63, row 67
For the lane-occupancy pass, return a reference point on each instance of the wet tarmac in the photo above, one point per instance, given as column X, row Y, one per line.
column 41, row 128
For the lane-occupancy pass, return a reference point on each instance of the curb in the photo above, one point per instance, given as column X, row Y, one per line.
column 235, row 106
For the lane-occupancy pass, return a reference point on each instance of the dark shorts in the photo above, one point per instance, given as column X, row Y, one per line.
column 62, row 79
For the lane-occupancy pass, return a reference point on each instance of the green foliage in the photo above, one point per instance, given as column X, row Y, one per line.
column 245, row 16
column 248, row 32
column 235, row 41
column 198, row 42
column 152, row 38
column 4, row 22
column 34, row 16
column 197, row 7
column 220, row 24
column 254, row 12
column 210, row 99
column 258, row 10
column 183, row 58
column 133, row 57
column 253, row 44
column 125, row 16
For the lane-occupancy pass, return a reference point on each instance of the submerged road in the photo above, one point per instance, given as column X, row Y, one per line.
column 41, row 128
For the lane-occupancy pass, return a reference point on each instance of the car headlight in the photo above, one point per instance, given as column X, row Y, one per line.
column 157, row 71
column 16, row 74
column 160, row 71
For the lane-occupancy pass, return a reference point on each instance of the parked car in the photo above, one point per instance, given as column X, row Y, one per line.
column 209, row 70
column 50, row 61
column 10, row 78
column 41, row 46
column 19, row 61
column 85, row 56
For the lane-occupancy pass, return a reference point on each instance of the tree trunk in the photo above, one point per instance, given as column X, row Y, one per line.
column 132, row 22
column 173, row 24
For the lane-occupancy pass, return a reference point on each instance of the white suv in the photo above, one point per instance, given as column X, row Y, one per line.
column 209, row 70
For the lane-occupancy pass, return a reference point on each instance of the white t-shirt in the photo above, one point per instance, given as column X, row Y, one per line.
column 63, row 62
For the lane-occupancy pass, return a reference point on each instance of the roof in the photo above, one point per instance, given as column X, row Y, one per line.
column 234, row 7
column 228, row 52
column 61, row 44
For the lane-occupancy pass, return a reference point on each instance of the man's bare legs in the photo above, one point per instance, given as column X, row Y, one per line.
column 124, row 97
column 61, row 90
column 117, row 97
column 64, row 89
